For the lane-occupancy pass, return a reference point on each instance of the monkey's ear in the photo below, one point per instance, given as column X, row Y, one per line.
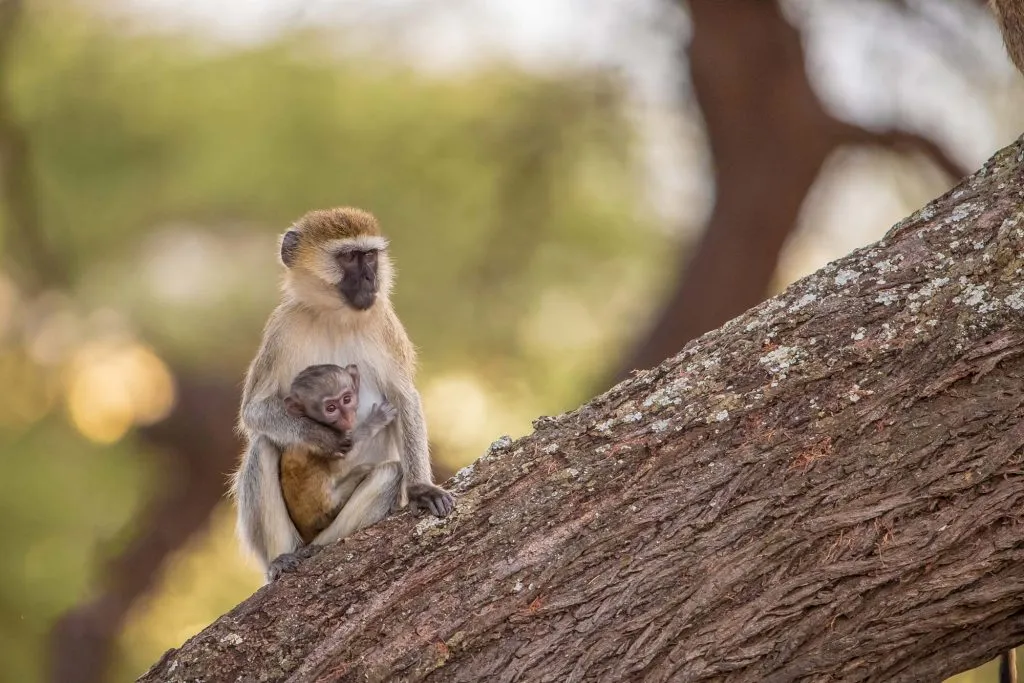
column 293, row 407
column 289, row 247
column 353, row 372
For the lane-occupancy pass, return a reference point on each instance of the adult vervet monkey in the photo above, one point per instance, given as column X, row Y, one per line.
column 335, row 308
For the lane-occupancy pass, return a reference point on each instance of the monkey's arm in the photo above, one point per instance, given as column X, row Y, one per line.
column 263, row 411
column 412, row 430
column 268, row 416
column 263, row 521
column 423, row 493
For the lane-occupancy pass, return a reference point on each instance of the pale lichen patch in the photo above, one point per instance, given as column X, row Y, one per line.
column 500, row 444
column 659, row 426
column 232, row 639
column 887, row 265
column 846, row 276
column 463, row 476
column 887, row 298
column 977, row 297
column 802, row 301
column 1015, row 300
column 668, row 395
column 779, row 361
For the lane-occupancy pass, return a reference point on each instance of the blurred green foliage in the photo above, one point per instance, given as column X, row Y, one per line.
column 166, row 167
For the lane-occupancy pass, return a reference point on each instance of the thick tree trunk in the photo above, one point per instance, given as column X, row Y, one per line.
column 826, row 488
column 769, row 136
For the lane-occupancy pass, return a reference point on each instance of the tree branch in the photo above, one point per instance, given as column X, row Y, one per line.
column 827, row 487
column 905, row 142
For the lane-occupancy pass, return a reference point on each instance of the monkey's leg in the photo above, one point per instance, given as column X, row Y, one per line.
column 263, row 522
column 344, row 489
column 372, row 501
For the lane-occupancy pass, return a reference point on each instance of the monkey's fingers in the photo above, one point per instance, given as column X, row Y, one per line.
column 282, row 564
column 439, row 502
column 431, row 504
column 447, row 502
column 289, row 562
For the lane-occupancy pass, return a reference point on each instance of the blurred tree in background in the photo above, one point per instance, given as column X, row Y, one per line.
column 148, row 173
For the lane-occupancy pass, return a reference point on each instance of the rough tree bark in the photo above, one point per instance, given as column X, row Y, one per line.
column 825, row 488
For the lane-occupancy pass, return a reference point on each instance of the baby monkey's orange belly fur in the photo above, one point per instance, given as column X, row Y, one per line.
column 315, row 487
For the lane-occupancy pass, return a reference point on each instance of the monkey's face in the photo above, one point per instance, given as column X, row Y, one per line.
column 339, row 410
column 358, row 285
column 337, row 257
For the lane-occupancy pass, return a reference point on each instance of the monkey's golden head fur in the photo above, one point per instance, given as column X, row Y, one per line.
column 311, row 247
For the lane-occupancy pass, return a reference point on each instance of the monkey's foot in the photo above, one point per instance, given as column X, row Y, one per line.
column 289, row 562
column 432, row 498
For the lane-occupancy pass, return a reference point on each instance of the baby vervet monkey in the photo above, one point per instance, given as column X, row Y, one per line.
column 335, row 309
column 315, row 483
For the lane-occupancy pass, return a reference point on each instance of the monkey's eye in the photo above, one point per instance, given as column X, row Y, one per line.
column 371, row 256
column 347, row 256
column 347, row 399
column 330, row 408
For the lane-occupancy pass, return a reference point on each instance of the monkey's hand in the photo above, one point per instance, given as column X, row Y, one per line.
column 381, row 414
column 289, row 562
column 432, row 498
column 326, row 439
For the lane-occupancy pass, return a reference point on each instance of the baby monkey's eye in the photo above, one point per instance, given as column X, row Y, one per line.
column 347, row 400
column 331, row 408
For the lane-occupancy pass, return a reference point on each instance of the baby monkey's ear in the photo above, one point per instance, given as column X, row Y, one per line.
column 294, row 407
column 353, row 372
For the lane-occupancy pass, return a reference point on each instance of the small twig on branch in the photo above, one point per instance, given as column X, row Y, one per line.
column 904, row 142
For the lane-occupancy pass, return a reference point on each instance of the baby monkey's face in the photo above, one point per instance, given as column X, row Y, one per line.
column 328, row 394
column 338, row 407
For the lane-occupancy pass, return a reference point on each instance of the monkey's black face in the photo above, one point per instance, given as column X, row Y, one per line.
column 358, row 284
